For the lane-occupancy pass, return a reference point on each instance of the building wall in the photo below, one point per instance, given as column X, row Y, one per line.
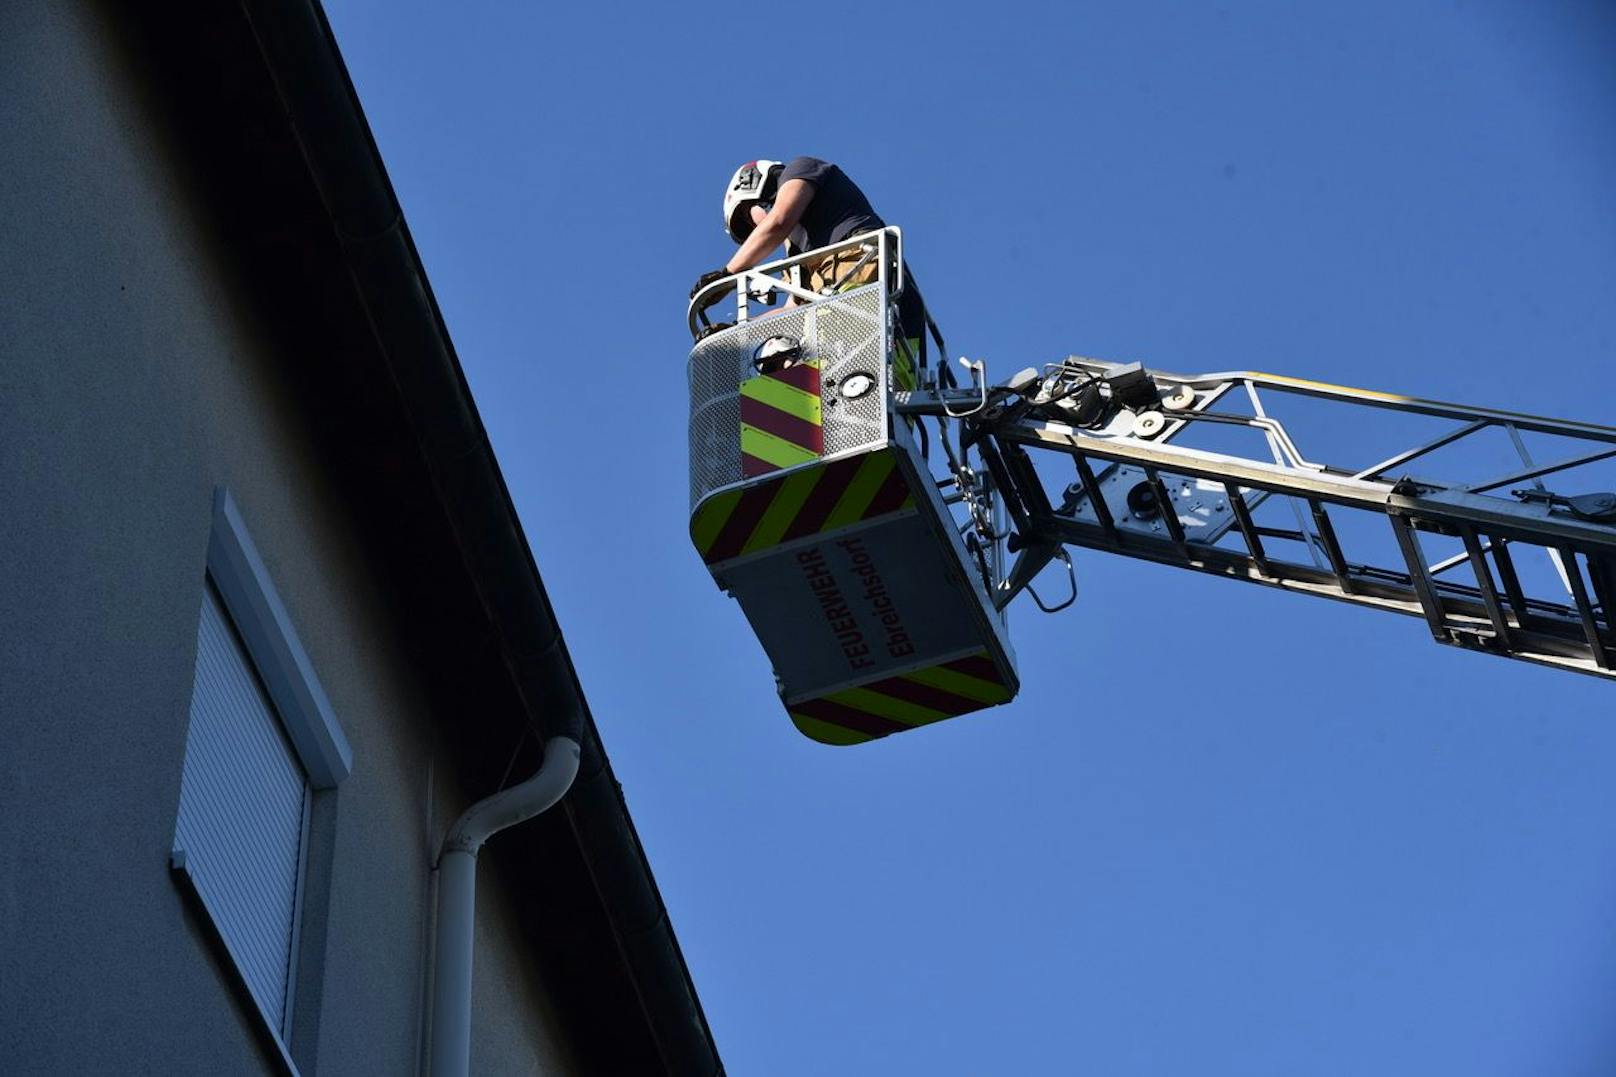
column 132, row 383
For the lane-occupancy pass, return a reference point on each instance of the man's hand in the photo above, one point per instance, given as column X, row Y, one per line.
column 707, row 278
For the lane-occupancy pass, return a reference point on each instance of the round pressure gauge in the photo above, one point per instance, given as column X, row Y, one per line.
column 856, row 385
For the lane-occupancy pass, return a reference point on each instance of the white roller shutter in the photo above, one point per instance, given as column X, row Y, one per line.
column 243, row 814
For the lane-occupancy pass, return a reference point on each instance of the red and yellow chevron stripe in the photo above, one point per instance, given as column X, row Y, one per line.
column 807, row 501
column 894, row 704
column 781, row 421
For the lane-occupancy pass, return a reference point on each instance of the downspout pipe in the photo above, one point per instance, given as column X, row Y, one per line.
column 457, row 898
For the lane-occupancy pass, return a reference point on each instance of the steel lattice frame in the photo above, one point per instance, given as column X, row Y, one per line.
column 1209, row 524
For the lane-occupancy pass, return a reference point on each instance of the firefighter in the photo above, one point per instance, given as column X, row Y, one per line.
column 806, row 203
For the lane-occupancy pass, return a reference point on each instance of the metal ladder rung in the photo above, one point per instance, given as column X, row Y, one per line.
column 1332, row 547
column 1430, row 601
column 1091, row 487
column 1489, row 593
column 1512, row 584
column 1168, row 511
column 1602, row 571
column 1248, row 530
column 1579, row 595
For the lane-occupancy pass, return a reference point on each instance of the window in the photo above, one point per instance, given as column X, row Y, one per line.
column 261, row 739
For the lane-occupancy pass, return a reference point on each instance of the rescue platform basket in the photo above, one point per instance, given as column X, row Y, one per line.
column 813, row 504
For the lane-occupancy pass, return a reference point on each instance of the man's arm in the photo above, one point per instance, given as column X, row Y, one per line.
column 789, row 204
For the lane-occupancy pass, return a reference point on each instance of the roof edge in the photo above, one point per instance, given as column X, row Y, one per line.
column 301, row 55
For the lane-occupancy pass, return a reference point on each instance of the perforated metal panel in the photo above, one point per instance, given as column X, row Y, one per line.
column 845, row 333
column 243, row 802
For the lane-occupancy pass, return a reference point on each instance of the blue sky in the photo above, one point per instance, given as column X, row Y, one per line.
column 1223, row 830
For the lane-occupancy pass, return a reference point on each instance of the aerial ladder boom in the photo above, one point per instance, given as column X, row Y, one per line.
column 1453, row 524
column 875, row 518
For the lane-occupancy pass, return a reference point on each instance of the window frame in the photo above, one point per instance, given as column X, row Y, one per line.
column 273, row 645
column 237, row 575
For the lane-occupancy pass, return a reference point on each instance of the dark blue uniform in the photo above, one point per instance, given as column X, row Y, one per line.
column 838, row 210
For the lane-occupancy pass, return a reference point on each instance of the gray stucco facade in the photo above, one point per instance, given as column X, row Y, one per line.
column 137, row 376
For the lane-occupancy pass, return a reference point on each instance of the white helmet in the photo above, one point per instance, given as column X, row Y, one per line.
column 753, row 184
